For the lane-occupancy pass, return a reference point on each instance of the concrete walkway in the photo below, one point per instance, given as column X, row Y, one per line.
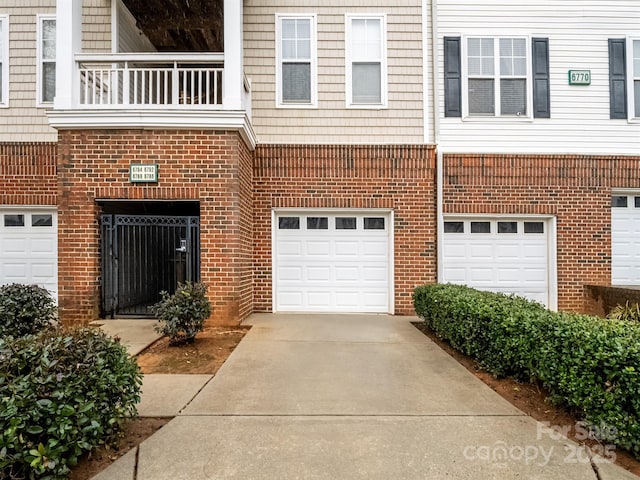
column 350, row 397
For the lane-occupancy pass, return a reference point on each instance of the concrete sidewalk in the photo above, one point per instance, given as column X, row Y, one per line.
column 350, row 397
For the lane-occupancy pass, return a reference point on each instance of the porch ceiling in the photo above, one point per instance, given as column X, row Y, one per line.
column 181, row 25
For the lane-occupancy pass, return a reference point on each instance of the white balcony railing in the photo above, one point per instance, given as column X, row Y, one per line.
column 163, row 80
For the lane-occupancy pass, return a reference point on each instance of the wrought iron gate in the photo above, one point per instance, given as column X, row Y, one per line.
column 143, row 255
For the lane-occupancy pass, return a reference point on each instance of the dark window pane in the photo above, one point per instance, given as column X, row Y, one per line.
column 480, row 227
column 317, row 223
column 533, row 227
column 289, row 223
column 296, row 82
column 507, row 227
column 41, row 220
column 513, row 97
column 619, row 201
column 14, row 220
column 453, row 227
column 481, row 97
column 366, row 83
column 374, row 223
column 345, row 223
column 48, row 81
column 636, row 201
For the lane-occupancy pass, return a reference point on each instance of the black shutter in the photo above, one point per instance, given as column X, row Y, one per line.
column 617, row 78
column 541, row 102
column 452, row 77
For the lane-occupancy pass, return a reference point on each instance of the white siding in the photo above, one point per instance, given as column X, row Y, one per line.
column 22, row 121
column 331, row 121
column 578, row 31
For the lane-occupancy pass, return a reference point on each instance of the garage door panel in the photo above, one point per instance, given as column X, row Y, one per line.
column 338, row 270
column 348, row 299
column 318, row 273
column 480, row 250
column 347, row 274
column 289, row 248
column 455, row 250
column 29, row 254
column 513, row 262
column 290, row 274
column 317, row 298
column 15, row 245
column 344, row 248
column 455, row 275
column 625, row 244
column 377, row 249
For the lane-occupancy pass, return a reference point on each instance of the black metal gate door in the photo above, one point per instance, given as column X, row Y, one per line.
column 143, row 255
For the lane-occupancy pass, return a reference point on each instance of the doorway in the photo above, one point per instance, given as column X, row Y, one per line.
column 146, row 248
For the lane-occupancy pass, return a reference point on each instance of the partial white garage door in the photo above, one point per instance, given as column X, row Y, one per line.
column 29, row 247
column 501, row 255
column 337, row 262
column 625, row 240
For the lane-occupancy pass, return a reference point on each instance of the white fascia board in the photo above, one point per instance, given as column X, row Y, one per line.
column 154, row 119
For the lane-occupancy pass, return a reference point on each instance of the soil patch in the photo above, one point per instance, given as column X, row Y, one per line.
column 532, row 400
column 205, row 355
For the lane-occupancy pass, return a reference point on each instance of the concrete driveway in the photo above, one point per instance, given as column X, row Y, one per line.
column 353, row 397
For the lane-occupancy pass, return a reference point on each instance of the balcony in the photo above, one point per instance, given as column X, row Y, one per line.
column 159, row 90
column 150, row 81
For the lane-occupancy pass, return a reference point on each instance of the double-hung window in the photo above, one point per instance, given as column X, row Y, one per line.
column 366, row 61
column 296, row 61
column 498, row 78
column 46, row 78
column 4, row 60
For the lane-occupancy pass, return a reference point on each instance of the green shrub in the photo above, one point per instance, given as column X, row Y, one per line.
column 25, row 309
column 589, row 365
column 628, row 312
column 181, row 315
column 62, row 394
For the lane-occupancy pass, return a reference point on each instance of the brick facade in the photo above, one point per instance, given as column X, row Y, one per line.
column 28, row 174
column 576, row 189
column 359, row 177
column 210, row 167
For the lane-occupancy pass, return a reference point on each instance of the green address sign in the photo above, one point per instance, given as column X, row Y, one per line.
column 579, row 77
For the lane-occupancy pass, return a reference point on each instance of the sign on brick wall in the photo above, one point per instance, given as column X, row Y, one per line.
column 139, row 173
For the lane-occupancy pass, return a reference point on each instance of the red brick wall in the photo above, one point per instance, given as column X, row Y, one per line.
column 575, row 189
column 28, row 174
column 193, row 165
column 342, row 176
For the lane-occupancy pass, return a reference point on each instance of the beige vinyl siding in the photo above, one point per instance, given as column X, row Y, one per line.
column 22, row 121
column 130, row 37
column 578, row 33
column 332, row 121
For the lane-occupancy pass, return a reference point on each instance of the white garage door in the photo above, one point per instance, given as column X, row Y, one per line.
column 29, row 247
column 625, row 240
column 332, row 262
column 501, row 255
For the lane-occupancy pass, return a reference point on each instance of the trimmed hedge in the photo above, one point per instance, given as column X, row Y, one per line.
column 62, row 394
column 25, row 310
column 588, row 364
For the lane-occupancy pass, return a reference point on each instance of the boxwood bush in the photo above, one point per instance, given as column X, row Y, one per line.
column 62, row 393
column 25, row 309
column 181, row 315
column 588, row 364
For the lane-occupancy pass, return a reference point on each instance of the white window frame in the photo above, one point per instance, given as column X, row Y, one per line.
column 39, row 53
column 631, row 79
column 313, row 60
column 349, row 61
column 496, row 77
column 4, row 56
